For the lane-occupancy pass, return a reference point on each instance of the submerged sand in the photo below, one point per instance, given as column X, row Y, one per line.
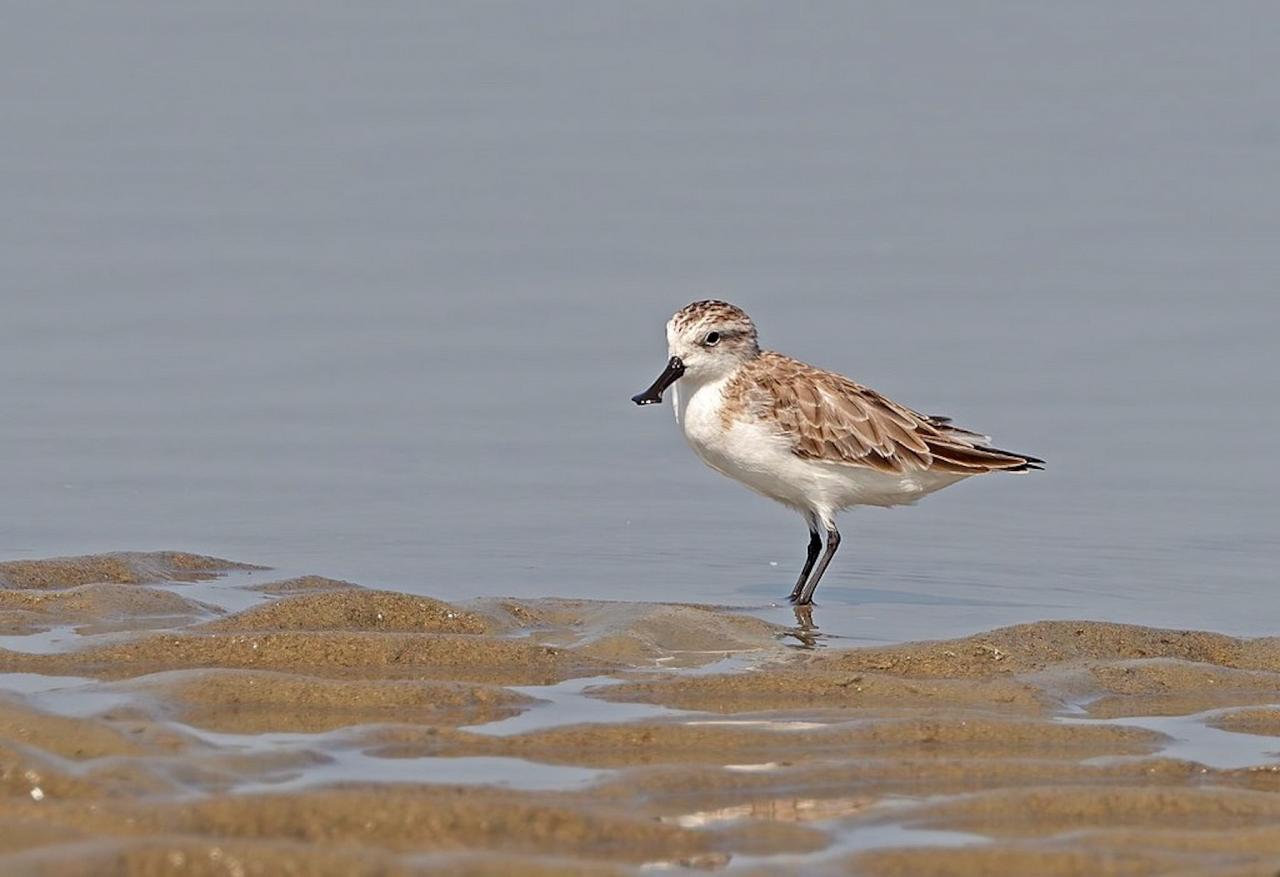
column 326, row 728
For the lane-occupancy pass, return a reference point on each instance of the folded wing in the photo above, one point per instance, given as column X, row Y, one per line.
column 840, row 421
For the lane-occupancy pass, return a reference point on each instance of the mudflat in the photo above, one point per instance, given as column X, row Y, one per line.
column 173, row 713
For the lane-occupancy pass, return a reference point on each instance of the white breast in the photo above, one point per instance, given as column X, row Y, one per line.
column 746, row 450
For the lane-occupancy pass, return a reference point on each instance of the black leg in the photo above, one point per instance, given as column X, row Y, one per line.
column 833, row 542
column 815, row 545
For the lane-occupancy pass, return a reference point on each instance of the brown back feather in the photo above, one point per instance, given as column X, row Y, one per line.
column 835, row 419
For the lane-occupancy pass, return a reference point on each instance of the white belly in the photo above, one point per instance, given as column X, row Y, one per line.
column 753, row 452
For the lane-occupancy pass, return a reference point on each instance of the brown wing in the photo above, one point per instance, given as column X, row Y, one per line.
column 840, row 421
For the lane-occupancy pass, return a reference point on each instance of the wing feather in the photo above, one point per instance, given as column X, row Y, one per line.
column 835, row 419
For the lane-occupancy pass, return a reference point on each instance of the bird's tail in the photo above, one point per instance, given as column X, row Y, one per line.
column 969, row 449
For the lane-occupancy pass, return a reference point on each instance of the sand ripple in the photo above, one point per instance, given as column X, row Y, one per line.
column 172, row 713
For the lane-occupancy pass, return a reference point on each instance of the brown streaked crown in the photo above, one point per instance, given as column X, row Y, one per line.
column 711, row 314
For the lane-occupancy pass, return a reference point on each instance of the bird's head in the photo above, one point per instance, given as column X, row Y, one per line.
column 706, row 340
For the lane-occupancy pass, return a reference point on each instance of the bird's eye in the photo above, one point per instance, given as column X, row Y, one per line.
column 712, row 339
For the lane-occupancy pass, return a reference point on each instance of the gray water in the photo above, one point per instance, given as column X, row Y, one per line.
column 364, row 290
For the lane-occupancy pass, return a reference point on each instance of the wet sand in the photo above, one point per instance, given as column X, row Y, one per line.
column 165, row 713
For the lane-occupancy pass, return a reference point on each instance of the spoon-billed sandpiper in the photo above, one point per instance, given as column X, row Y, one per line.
column 813, row 440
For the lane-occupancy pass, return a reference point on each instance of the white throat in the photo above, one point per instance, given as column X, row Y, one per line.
column 682, row 393
column 696, row 404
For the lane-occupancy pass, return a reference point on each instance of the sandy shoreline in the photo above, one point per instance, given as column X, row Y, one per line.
column 325, row 728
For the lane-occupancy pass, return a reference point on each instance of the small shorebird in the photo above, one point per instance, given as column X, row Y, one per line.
column 813, row 440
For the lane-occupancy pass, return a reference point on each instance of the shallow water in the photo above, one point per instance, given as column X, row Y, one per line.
column 1192, row 738
column 366, row 292
column 566, row 703
column 48, row 642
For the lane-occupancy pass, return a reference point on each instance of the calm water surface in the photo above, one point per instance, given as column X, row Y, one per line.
column 365, row 291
